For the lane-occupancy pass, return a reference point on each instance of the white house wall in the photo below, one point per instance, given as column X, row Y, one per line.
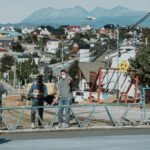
column 84, row 55
column 52, row 46
column 82, row 84
column 122, row 77
column 124, row 56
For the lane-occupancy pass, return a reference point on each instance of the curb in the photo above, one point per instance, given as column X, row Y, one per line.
column 71, row 129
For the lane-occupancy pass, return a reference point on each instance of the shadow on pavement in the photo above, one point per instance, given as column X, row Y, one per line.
column 2, row 141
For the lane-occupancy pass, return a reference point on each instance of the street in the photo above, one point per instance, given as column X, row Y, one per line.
column 113, row 139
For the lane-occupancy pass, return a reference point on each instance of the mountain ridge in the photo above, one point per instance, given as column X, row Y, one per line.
column 78, row 16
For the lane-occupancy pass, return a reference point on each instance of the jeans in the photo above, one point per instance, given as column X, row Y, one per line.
column 67, row 102
column 37, row 102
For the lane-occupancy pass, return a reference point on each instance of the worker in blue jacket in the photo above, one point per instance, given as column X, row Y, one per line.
column 37, row 92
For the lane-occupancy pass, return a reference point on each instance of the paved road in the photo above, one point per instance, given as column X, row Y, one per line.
column 110, row 139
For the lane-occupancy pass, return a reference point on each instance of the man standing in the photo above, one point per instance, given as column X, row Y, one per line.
column 2, row 91
column 37, row 92
column 64, row 97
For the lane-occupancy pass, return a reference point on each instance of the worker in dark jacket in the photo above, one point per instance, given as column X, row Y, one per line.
column 37, row 92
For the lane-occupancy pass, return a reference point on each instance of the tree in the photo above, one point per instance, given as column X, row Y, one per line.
column 112, row 44
column 73, row 72
column 124, row 34
column 35, row 38
column 20, row 38
column 53, row 61
column 58, row 55
column 6, row 62
column 146, row 34
column 17, row 47
column 25, row 69
column 27, row 38
column 141, row 65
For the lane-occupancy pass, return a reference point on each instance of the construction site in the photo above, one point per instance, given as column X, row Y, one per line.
column 110, row 102
column 114, row 97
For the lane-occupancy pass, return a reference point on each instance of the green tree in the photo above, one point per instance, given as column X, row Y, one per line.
column 17, row 47
column 20, row 38
column 58, row 55
column 35, row 38
column 141, row 64
column 124, row 34
column 27, row 38
column 146, row 34
column 25, row 69
column 53, row 61
column 73, row 72
column 6, row 62
column 112, row 44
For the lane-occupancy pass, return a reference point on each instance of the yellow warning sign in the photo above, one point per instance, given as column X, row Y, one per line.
column 123, row 66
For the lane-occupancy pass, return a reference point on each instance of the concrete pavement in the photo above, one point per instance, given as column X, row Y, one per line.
column 112, row 139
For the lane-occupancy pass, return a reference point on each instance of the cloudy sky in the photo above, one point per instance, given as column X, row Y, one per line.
column 16, row 10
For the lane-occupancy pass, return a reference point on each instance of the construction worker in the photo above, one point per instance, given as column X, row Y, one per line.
column 37, row 92
column 64, row 97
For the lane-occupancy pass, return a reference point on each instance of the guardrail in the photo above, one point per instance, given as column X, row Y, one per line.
column 82, row 116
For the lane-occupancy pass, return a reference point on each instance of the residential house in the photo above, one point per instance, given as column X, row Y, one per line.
column 84, row 55
column 85, row 28
column 35, row 57
column 52, row 46
column 6, row 43
column 21, row 58
column 107, row 32
column 2, row 52
column 27, row 30
column 9, row 32
column 86, row 69
column 40, row 32
column 45, row 32
column 7, row 28
column 70, row 31
column 73, row 49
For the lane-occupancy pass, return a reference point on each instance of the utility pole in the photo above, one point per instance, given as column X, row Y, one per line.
column 118, row 55
column 15, row 75
column 62, row 54
column 135, row 36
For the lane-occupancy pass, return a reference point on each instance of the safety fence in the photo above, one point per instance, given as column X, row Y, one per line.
column 82, row 116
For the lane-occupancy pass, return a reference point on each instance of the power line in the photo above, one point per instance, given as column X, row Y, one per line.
column 141, row 20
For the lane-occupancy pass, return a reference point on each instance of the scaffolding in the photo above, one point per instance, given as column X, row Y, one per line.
column 111, row 80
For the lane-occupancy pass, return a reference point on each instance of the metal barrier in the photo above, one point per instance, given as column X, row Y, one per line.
column 86, row 115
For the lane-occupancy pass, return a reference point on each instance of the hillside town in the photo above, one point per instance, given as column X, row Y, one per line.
column 45, row 47
column 99, row 74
